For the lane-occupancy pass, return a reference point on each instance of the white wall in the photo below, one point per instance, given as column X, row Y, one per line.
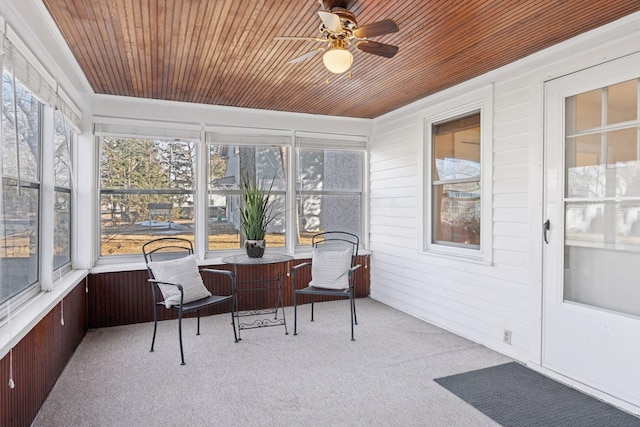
column 215, row 115
column 473, row 299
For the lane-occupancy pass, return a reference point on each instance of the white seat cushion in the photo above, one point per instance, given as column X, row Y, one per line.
column 181, row 271
column 330, row 268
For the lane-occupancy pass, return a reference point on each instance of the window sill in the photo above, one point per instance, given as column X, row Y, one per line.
column 422, row 255
column 105, row 266
column 26, row 317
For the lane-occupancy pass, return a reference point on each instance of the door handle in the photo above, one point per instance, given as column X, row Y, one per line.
column 545, row 229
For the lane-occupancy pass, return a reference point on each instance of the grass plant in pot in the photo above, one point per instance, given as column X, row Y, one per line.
column 256, row 213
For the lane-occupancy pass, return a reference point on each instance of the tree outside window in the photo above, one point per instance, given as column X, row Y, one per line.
column 146, row 191
column 21, row 144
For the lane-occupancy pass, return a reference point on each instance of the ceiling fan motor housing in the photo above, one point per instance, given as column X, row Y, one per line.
column 347, row 21
column 347, row 18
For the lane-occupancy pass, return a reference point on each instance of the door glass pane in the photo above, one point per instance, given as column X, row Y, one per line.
column 588, row 110
column 584, row 223
column 628, row 179
column 622, row 102
column 621, row 146
column 601, row 278
column 602, row 201
column 587, row 150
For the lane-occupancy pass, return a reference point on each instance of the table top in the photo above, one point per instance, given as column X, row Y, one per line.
column 243, row 259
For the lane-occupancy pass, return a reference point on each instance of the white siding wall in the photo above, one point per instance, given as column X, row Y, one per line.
column 476, row 300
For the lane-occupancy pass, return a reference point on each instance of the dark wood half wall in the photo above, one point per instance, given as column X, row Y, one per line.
column 123, row 298
column 40, row 357
column 118, row 298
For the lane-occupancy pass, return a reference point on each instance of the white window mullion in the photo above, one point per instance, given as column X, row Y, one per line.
column 47, row 182
column 201, row 202
column 291, row 232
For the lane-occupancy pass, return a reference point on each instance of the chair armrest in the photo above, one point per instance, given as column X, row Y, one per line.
column 352, row 275
column 296, row 267
column 227, row 273
column 293, row 271
column 160, row 282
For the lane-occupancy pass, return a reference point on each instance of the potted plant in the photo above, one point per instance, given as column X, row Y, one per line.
column 256, row 213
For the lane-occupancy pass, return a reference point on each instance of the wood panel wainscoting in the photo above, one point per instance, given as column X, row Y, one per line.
column 110, row 299
column 40, row 357
column 122, row 298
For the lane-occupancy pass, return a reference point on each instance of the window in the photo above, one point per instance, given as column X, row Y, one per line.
column 152, row 187
column 62, row 192
column 233, row 159
column 146, row 191
column 456, row 181
column 20, row 201
column 455, row 194
column 329, row 192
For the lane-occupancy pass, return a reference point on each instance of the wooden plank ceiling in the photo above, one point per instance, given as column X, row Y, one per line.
column 222, row 52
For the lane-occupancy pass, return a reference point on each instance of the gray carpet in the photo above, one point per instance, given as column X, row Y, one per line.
column 514, row 395
column 317, row 378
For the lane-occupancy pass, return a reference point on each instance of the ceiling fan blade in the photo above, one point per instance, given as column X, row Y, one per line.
column 308, row 39
column 306, row 56
column 331, row 21
column 386, row 26
column 380, row 49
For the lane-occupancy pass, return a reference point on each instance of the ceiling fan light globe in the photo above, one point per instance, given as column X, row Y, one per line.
column 337, row 61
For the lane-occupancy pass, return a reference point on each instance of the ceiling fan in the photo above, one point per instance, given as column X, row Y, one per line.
column 339, row 32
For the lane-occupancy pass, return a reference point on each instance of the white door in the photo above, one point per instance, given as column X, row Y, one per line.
column 591, row 309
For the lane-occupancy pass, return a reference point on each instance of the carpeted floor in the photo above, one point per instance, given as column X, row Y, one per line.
column 317, row 378
column 514, row 395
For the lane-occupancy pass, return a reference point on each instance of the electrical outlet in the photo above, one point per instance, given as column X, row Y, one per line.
column 506, row 337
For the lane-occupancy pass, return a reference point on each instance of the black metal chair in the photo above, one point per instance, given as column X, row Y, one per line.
column 161, row 255
column 329, row 242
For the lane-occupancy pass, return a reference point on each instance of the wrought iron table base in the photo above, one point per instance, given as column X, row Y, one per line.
column 262, row 322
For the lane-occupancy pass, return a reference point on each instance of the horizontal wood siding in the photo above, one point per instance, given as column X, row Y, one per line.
column 476, row 300
column 122, row 298
column 40, row 357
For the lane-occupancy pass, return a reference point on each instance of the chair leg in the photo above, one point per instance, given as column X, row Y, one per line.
column 155, row 326
column 198, row 316
column 233, row 319
column 295, row 313
column 353, row 312
column 312, row 299
column 355, row 315
column 180, row 335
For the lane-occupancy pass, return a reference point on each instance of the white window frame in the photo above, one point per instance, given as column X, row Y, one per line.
column 481, row 101
column 331, row 142
column 230, row 136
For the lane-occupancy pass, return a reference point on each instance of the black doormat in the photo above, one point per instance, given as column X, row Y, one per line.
column 513, row 395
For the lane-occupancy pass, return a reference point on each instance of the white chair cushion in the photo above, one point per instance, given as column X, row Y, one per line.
column 330, row 268
column 181, row 271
